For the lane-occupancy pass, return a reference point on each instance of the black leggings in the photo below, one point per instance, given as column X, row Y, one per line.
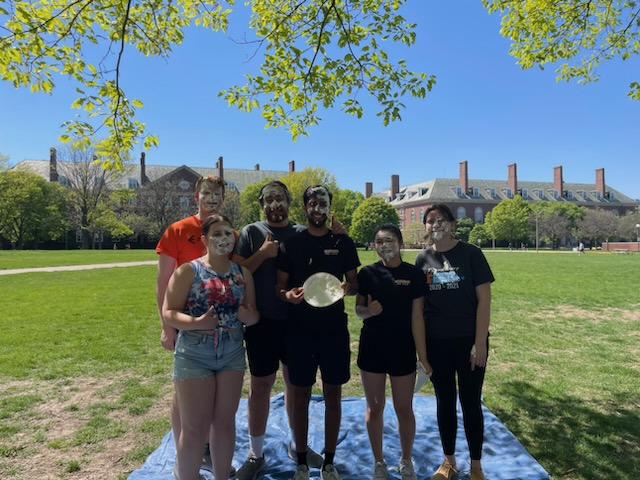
column 448, row 357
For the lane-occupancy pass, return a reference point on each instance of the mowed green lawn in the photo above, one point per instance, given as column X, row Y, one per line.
column 82, row 374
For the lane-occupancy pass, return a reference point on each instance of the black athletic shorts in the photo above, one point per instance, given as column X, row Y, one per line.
column 384, row 352
column 331, row 353
column 265, row 342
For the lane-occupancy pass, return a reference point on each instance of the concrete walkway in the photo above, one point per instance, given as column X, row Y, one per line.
column 69, row 268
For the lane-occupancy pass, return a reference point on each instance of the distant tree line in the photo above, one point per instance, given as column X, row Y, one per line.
column 86, row 213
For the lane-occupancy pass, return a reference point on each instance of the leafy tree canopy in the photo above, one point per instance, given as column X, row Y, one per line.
column 371, row 213
column 509, row 220
column 314, row 54
column 576, row 36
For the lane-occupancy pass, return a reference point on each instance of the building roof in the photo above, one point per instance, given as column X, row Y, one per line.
column 235, row 178
column 448, row 190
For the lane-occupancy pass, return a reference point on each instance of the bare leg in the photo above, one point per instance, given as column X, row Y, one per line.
column 225, row 405
column 301, row 398
column 259, row 398
column 373, row 385
column 333, row 415
column 402, row 393
column 195, row 397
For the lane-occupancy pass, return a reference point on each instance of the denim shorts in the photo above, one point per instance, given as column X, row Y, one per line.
column 195, row 355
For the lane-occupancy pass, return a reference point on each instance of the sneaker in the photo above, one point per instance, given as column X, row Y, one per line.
column 302, row 473
column 314, row 459
column 446, row 471
column 329, row 473
column 380, row 471
column 476, row 473
column 250, row 468
column 406, row 469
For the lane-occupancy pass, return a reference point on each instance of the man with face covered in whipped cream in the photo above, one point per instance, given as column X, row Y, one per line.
column 316, row 337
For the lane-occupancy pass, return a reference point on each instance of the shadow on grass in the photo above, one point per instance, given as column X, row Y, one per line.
column 573, row 438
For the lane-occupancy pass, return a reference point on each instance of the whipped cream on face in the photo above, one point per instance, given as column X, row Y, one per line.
column 222, row 241
column 387, row 247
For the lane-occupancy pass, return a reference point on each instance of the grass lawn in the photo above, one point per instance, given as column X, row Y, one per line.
column 85, row 386
column 10, row 259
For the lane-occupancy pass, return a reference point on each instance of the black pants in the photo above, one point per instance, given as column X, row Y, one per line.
column 450, row 358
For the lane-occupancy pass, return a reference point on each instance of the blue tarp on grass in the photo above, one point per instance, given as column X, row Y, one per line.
column 504, row 458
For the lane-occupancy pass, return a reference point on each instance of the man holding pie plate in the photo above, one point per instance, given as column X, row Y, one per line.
column 310, row 269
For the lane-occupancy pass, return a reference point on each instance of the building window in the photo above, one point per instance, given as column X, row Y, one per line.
column 507, row 192
column 478, row 215
column 457, row 190
column 184, row 202
column 491, row 192
column 612, row 196
column 475, row 192
column 413, row 215
column 570, row 194
column 133, row 183
column 461, row 213
column 78, row 236
column 525, row 193
column 596, row 194
column 64, row 181
column 421, row 214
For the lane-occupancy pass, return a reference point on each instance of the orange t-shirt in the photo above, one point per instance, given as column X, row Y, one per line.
column 181, row 240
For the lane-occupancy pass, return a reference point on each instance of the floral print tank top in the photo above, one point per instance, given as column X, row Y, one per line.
column 224, row 291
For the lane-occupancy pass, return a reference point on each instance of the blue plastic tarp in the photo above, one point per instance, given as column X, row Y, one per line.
column 504, row 458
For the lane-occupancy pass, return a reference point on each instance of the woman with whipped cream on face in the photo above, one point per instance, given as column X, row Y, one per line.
column 209, row 300
column 456, row 315
column 390, row 301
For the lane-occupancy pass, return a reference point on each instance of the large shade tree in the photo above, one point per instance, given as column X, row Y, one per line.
column 371, row 213
column 30, row 208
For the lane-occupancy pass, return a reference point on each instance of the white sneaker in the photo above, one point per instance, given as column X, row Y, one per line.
column 329, row 473
column 302, row 473
column 380, row 471
column 406, row 470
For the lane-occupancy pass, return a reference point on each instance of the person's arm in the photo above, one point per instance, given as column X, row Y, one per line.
column 247, row 313
column 367, row 307
column 295, row 295
column 268, row 249
column 483, row 313
column 419, row 333
column 350, row 286
column 166, row 266
column 176, row 298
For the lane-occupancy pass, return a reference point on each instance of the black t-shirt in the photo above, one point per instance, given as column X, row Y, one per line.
column 251, row 239
column 303, row 255
column 395, row 289
column 450, row 300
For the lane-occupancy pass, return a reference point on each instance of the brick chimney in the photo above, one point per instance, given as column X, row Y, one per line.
column 395, row 186
column 368, row 189
column 600, row 187
column 220, row 168
column 292, row 166
column 53, row 165
column 558, row 184
column 257, row 167
column 143, row 169
column 512, row 178
column 464, row 177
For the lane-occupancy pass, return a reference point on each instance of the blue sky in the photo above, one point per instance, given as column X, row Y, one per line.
column 484, row 109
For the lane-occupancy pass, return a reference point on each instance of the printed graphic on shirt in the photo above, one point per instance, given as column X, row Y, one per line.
column 443, row 278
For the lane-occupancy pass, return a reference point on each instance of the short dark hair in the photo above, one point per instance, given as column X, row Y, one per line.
column 274, row 183
column 212, row 220
column 312, row 192
column 389, row 227
column 441, row 208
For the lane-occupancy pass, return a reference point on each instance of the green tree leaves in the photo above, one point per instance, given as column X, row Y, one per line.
column 371, row 213
column 315, row 54
column 576, row 36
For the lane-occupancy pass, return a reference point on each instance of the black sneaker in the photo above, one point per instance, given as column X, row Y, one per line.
column 250, row 468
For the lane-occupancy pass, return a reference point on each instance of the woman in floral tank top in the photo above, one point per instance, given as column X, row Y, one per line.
column 209, row 300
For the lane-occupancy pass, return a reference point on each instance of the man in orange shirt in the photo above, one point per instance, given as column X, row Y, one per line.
column 180, row 244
